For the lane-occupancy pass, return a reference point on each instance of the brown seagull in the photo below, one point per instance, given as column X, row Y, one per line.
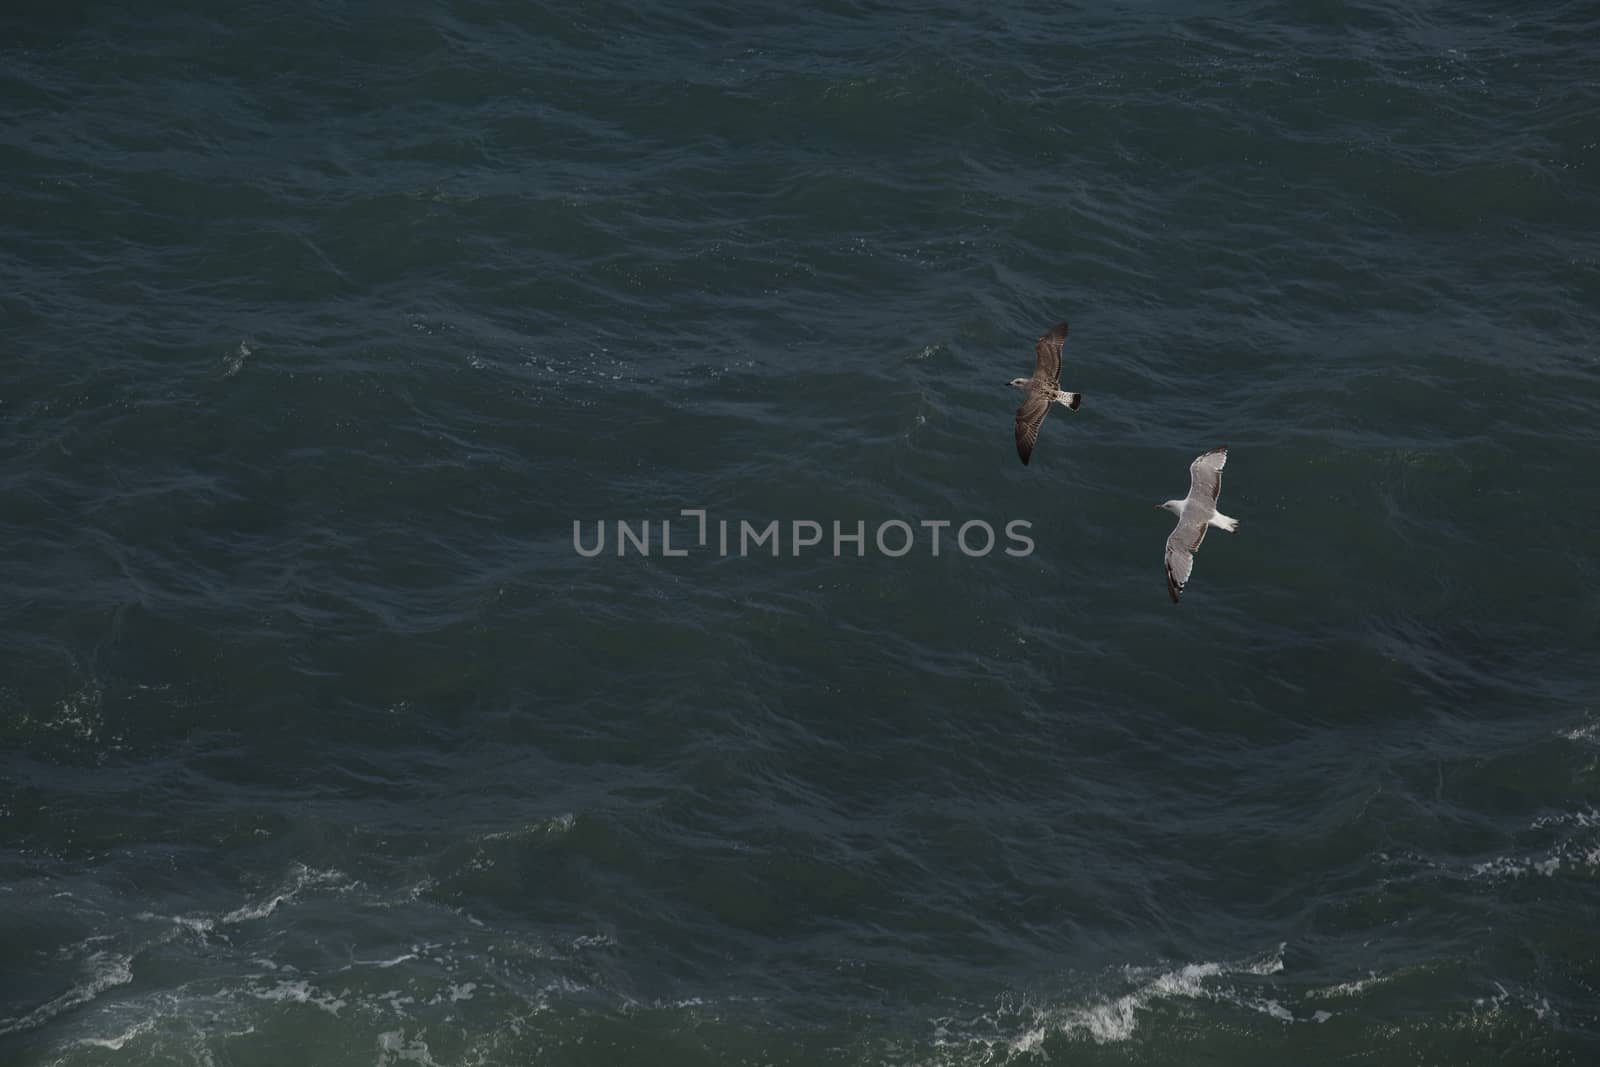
column 1043, row 389
column 1196, row 513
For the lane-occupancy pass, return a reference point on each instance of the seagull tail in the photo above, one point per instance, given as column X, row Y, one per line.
column 1223, row 522
column 1072, row 400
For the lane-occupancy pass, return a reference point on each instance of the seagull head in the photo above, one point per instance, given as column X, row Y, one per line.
column 1174, row 506
column 1019, row 383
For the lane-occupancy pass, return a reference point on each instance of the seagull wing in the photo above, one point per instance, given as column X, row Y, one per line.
column 1029, row 418
column 1182, row 544
column 1205, row 477
column 1047, row 356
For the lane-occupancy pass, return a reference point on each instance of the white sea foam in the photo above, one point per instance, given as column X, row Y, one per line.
column 115, row 1043
column 1577, row 858
column 301, row 991
column 454, row 994
column 1492, row 1004
column 194, row 924
column 78, row 714
column 396, row 1001
column 1587, row 732
column 233, row 362
column 385, row 964
column 246, row 912
column 302, row 877
column 1114, row 1019
column 186, row 1021
column 1272, row 1008
column 412, row 893
column 1514, row 867
column 1572, row 855
column 1584, row 819
column 107, row 970
column 557, row 824
column 1353, row 988
column 394, row 1048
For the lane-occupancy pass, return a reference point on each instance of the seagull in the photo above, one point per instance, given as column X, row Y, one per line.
column 1196, row 512
column 1043, row 389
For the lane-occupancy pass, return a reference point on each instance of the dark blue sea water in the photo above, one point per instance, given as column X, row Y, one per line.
column 323, row 323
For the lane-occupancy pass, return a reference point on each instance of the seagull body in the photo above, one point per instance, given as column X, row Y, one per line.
column 1043, row 389
column 1196, row 513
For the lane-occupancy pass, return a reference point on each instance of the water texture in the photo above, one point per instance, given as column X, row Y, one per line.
column 323, row 323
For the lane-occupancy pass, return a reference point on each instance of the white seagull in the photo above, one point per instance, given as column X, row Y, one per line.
column 1196, row 513
column 1043, row 389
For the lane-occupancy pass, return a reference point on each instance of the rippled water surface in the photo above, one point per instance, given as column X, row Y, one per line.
column 323, row 323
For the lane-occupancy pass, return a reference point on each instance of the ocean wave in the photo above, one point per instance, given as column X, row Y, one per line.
column 1019, row 1026
column 301, row 878
column 107, row 970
